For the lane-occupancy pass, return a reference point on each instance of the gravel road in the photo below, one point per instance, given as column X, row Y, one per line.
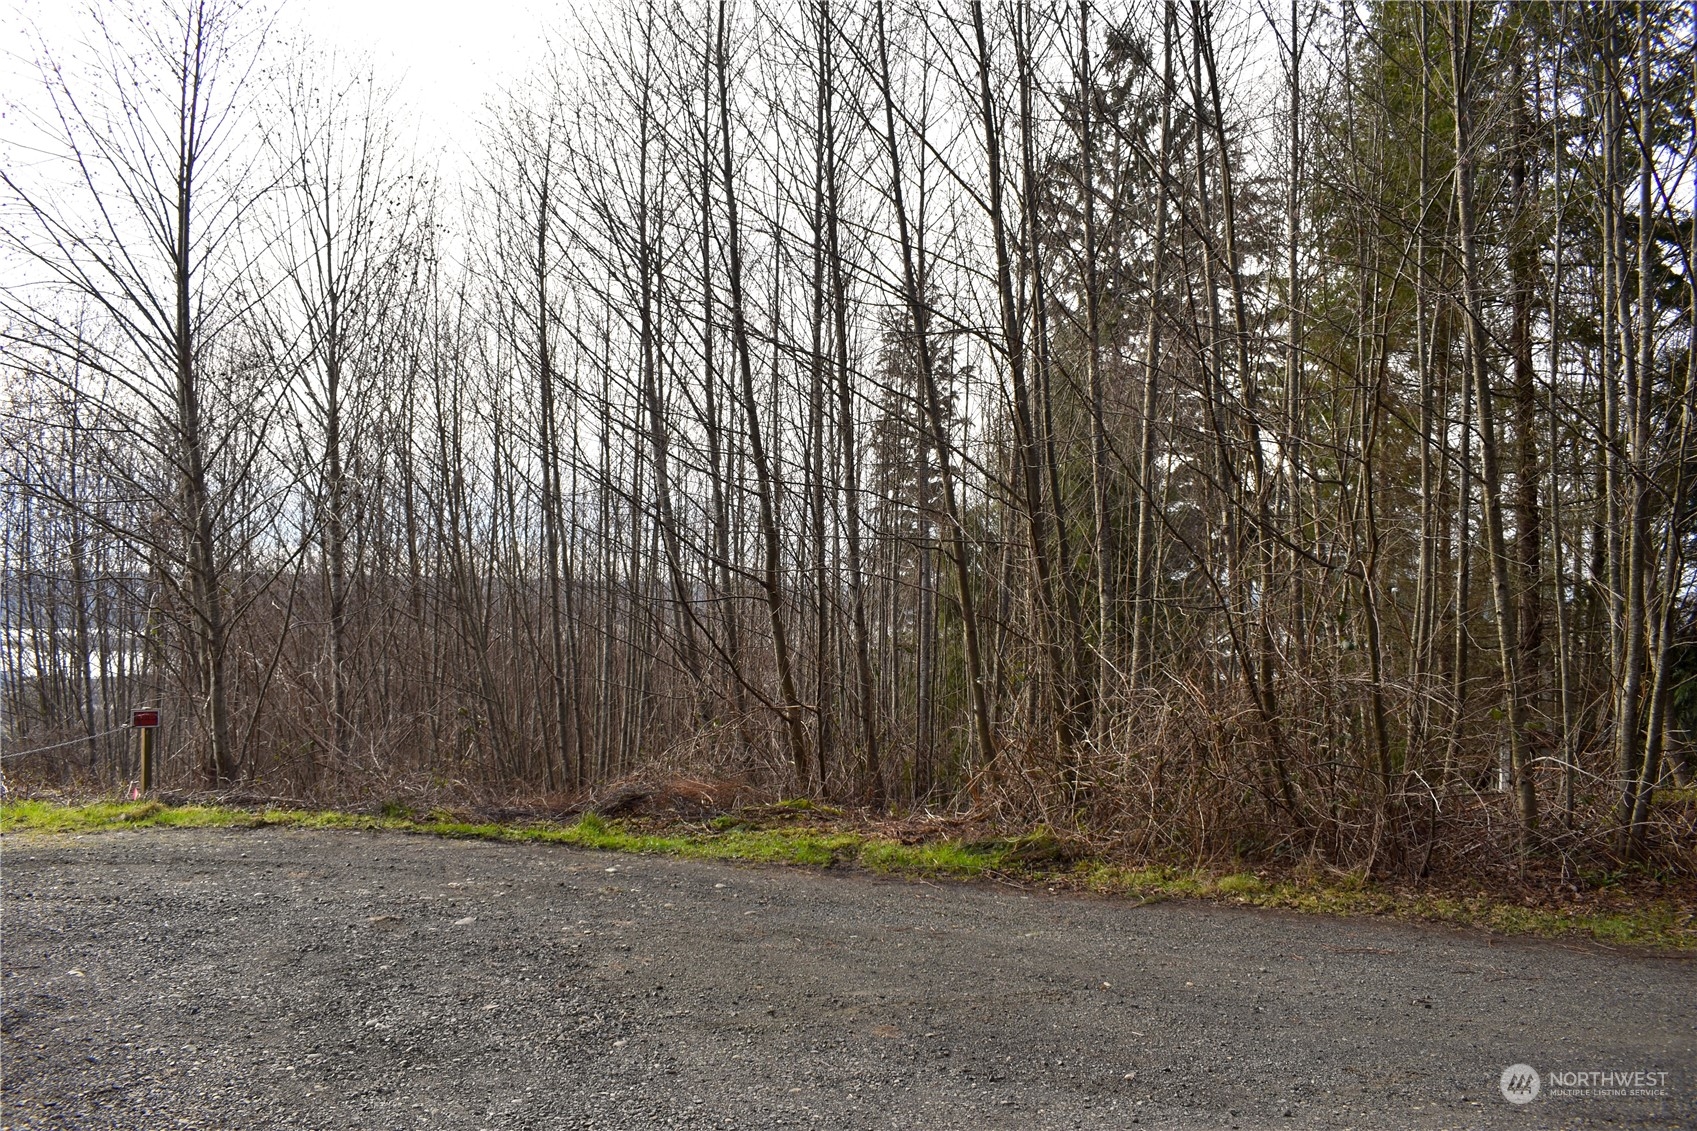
column 289, row 979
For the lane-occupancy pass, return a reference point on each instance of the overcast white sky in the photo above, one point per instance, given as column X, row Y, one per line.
column 447, row 56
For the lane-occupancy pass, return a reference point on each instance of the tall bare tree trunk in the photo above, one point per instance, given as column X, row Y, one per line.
column 1461, row 20
column 789, row 705
column 871, row 770
column 206, row 576
column 1107, row 567
column 1143, row 574
column 919, row 313
column 1031, row 463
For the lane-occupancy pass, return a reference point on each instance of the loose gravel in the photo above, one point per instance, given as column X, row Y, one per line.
column 291, row 979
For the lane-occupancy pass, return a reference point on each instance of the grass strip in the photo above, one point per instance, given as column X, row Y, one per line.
column 1033, row 858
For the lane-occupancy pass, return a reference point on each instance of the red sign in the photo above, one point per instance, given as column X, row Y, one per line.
column 144, row 718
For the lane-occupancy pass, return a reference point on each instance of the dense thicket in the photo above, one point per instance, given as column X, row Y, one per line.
column 1227, row 429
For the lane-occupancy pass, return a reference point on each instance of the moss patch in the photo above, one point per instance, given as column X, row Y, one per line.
column 933, row 858
column 1037, row 857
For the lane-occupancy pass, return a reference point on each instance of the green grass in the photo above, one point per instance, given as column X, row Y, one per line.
column 934, row 858
column 47, row 817
column 1656, row 923
column 1036, row 857
column 1240, row 883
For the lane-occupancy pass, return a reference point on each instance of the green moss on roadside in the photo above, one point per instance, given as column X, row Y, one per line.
column 933, row 858
column 48, row 817
column 1152, row 882
column 1036, row 857
column 1239, row 883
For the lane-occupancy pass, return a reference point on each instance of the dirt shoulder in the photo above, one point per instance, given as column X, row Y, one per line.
column 1632, row 908
column 272, row 977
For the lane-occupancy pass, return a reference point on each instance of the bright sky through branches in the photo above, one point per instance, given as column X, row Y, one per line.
column 446, row 57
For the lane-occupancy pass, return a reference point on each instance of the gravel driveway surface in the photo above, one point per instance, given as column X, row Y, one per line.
column 290, row 979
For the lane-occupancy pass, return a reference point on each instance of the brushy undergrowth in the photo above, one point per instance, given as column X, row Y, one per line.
column 1036, row 858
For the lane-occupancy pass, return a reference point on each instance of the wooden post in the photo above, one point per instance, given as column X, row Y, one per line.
column 147, row 722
